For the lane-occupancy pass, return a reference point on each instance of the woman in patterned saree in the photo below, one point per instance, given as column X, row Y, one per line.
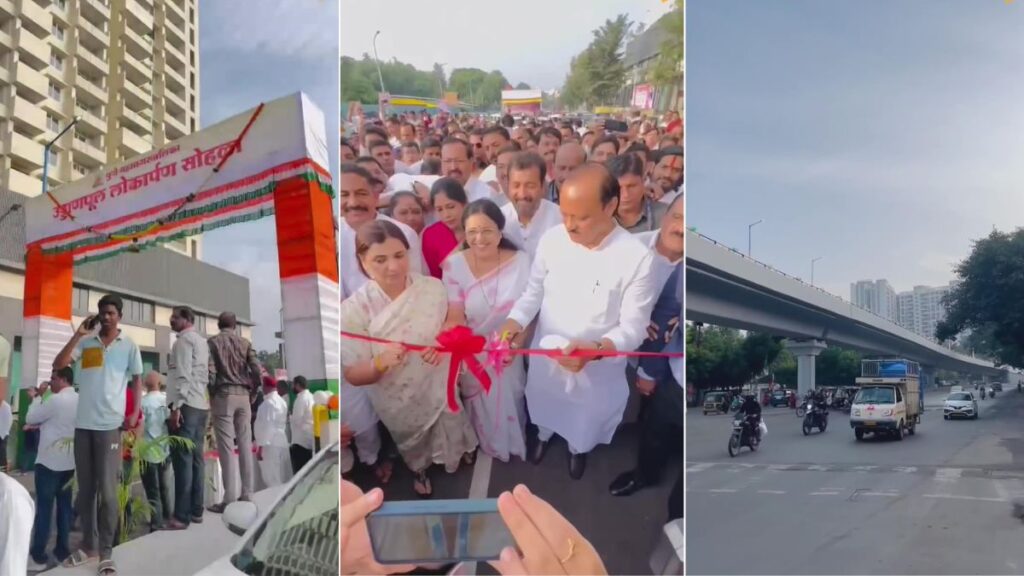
column 484, row 280
column 407, row 390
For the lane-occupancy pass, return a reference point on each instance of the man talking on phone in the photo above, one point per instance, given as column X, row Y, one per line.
column 110, row 361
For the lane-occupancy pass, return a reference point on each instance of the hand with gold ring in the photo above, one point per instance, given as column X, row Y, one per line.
column 550, row 544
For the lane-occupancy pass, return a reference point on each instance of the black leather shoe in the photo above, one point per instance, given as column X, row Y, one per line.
column 626, row 484
column 540, row 448
column 577, row 464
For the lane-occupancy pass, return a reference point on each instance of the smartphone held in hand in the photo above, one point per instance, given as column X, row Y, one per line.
column 438, row 531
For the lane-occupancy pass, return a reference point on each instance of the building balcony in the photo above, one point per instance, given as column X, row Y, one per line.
column 175, row 11
column 93, row 62
column 59, row 44
column 26, row 152
column 23, row 184
column 31, row 83
column 95, row 10
column 36, row 19
column 174, row 56
column 29, row 117
column 174, row 128
column 91, row 33
column 88, row 154
column 139, row 18
column 136, row 70
column 33, row 51
column 137, row 43
column 137, row 121
column 96, row 94
column 174, row 81
column 136, row 97
column 7, row 10
column 175, row 103
column 91, row 120
column 6, row 41
column 176, row 28
column 53, row 106
column 130, row 141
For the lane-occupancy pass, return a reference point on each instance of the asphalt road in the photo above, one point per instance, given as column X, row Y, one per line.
column 939, row 502
column 623, row 530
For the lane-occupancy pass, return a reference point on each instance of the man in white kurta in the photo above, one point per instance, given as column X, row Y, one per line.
column 590, row 288
column 17, row 513
column 271, row 432
column 529, row 215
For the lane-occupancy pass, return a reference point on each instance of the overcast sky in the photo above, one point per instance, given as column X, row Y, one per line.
column 882, row 136
column 250, row 52
column 530, row 41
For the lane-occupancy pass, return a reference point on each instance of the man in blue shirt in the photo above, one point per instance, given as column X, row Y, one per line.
column 110, row 361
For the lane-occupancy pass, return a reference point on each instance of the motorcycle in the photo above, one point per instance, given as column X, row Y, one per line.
column 743, row 434
column 982, row 393
column 814, row 418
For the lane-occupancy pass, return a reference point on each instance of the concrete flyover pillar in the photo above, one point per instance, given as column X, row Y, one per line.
column 805, row 352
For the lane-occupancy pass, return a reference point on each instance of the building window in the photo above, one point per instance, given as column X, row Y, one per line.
column 58, row 32
column 80, row 299
column 195, row 249
column 52, row 123
column 55, row 92
column 136, row 312
column 200, row 324
column 80, row 169
column 57, row 62
column 61, row 4
column 52, row 156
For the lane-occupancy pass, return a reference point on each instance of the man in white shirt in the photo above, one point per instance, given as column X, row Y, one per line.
column 590, row 288
column 301, row 450
column 358, row 206
column 529, row 216
column 457, row 161
column 55, row 465
column 272, row 436
column 16, row 516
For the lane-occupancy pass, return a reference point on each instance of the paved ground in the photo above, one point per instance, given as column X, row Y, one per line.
column 939, row 502
column 624, row 530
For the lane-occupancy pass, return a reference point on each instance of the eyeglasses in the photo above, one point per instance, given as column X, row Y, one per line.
column 491, row 233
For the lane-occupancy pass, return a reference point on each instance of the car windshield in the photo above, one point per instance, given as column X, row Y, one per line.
column 875, row 396
column 300, row 536
column 717, row 397
column 959, row 396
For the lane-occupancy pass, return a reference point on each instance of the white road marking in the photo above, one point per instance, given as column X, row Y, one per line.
column 818, row 468
column 771, row 491
column 824, row 493
column 864, row 468
column 892, row 494
column 905, row 469
column 954, row 497
column 779, row 467
column 948, row 475
column 698, row 467
column 723, row 490
column 1001, row 490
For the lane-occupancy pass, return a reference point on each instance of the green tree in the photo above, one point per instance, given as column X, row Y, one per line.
column 784, row 369
column 597, row 73
column 269, row 360
column 837, row 367
column 723, row 358
column 666, row 68
column 522, row 86
column 988, row 297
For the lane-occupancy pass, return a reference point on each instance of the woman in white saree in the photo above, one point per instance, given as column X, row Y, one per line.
column 484, row 280
column 407, row 390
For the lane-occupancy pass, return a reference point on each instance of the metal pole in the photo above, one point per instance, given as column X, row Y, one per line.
column 377, row 61
column 46, row 150
column 812, row 268
column 750, row 231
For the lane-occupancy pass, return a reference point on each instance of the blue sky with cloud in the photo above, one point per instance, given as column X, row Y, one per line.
column 881, row 136
column 252, row 51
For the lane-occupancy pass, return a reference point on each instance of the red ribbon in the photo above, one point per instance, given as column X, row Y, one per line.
column 464, row 345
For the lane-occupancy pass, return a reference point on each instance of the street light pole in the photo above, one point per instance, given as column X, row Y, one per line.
column 46, row 150
column 750, row 231
column 376, row 59
column 812, row 268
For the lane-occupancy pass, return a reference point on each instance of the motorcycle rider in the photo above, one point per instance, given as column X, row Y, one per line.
column 751, row 410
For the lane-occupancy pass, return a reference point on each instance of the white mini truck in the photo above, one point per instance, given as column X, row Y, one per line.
column 888, row 400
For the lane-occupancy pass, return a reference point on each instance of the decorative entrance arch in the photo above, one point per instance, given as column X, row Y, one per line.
column 269, row 160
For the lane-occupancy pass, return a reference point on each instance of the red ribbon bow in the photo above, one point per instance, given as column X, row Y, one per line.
column 463, row 345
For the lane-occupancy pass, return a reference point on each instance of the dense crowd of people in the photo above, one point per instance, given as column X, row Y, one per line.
column 93, row 422
column 542, row 234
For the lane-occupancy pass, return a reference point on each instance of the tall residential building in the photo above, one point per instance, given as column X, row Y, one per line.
column 921, row 309
column 878, row 297
column 127, row 69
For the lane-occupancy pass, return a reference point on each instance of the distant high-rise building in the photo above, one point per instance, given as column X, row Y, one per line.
column 878, row 297
column 921, row 309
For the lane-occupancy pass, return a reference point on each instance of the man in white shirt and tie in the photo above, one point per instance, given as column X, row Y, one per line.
column 530, row 214
column 358, row 206
column 272, row 436
column 301, row 450
column 55, row 465
column 590, row 288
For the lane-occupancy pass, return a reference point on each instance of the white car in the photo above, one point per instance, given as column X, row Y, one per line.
column 297, row 535
column 960, row 405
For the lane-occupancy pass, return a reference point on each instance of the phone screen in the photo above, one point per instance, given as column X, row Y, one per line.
column 438, row 531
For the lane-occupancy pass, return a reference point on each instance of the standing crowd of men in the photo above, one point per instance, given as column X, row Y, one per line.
column 544, row 234
column 94, row 420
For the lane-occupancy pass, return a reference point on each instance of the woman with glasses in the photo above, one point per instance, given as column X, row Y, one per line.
column 484, row 279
